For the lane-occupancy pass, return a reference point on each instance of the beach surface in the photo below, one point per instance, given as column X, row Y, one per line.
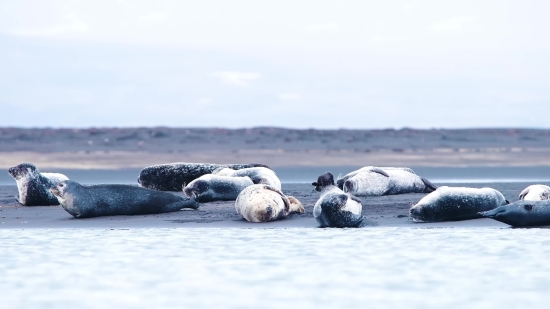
column 385, row 211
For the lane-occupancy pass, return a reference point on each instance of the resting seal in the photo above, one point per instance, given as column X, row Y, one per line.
column 376, row 182
column 340, row 181
column 210, row 188
column 535, row 193
column 336, row 208
column 259, row 175
column 264, row 203
column 34, row 186
column 172, row 177
column 456, row 203
column 112, row 200
column 522, row 213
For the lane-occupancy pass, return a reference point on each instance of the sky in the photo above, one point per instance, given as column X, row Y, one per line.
column 300, row 63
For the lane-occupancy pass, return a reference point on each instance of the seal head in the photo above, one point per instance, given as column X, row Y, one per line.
column 326, row 179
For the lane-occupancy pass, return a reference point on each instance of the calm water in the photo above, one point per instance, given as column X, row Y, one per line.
column 275, row 268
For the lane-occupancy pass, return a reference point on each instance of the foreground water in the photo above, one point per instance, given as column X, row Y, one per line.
column 275, row 268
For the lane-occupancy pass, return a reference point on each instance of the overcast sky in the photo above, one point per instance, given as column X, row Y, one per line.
column 302, row 64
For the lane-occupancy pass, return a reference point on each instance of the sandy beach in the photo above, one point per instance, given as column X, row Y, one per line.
column 385, row 211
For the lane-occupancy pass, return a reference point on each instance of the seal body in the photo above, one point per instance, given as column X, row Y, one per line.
column 264, row 203
column 456, row 203
column 210, row 188
column 335, row 208
column 535, row 193
column 522, row 213
column 112, row 200
column 377, row 182
column 340, row 181
column 34, row 186
column 258, row 175
column 173, row 176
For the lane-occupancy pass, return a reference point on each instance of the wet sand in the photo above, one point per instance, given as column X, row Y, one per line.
column 386, row 211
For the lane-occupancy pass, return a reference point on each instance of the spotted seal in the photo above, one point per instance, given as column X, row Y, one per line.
column 259, row 175
column 264, row 203
column 456, row 203
column 336, row 208
column 173, row 176
column 521, row 213
column 210, row 188
column 341, row 179
column 112, row 200
column 34, row 186
column 377, row 181
column 535, row 193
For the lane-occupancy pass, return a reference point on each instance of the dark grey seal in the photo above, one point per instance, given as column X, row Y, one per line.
column 113, row 200
column 210, row 188
column 521, row 213
column 173, row 176
column 336, row 208
column 456, row 203
column 33, row 186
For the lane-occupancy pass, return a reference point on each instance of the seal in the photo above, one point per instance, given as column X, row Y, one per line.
column 34, row 186
column 456, row 203
column 335, row 208
column 259, row 175
column 341, row 179
column 264, row 203
column 112, row 200
column 535, row 193
column 521, row 213
column 173, row 176
column 210, row 188
column 376, row 182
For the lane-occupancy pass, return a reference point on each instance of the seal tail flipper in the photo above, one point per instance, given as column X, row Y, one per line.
column 430, row 187
column 523, row 193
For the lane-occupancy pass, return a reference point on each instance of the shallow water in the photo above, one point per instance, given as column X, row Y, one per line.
column 275, row 268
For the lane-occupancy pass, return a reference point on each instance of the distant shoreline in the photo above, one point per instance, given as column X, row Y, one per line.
column 119, row 148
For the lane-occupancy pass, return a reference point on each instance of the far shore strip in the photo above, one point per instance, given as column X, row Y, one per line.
column 439, row 157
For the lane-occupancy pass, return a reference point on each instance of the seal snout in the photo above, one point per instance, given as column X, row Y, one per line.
column 55, row 191
column 416, row 213
column 350, row 186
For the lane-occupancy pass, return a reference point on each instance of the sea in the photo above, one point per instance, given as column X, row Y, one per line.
column 373, row 267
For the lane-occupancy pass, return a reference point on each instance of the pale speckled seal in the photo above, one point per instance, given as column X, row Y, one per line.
column 336, row 208
column 456, row 203
column 522, row 213
column 380, row 169
column 377, row 181
column 264, row 203
column 210, row 188
column 173, row 176
column 535, row 193
column 259, row 175
column 33, row 186
column 112, row 200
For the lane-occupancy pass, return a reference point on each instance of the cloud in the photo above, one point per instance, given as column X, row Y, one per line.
column 74, row 25
column 323, row 27
column 237, row 78
column 453, row 24
column 289, row 96
column 155, row 17
column 204, row 101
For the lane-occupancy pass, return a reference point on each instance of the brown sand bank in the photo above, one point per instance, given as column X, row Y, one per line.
column 388, row 211
column 113, row 148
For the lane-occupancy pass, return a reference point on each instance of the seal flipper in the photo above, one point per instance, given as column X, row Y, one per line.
column 355, row 198
column 379, row 171
column 285, row 199
column 430, row 187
